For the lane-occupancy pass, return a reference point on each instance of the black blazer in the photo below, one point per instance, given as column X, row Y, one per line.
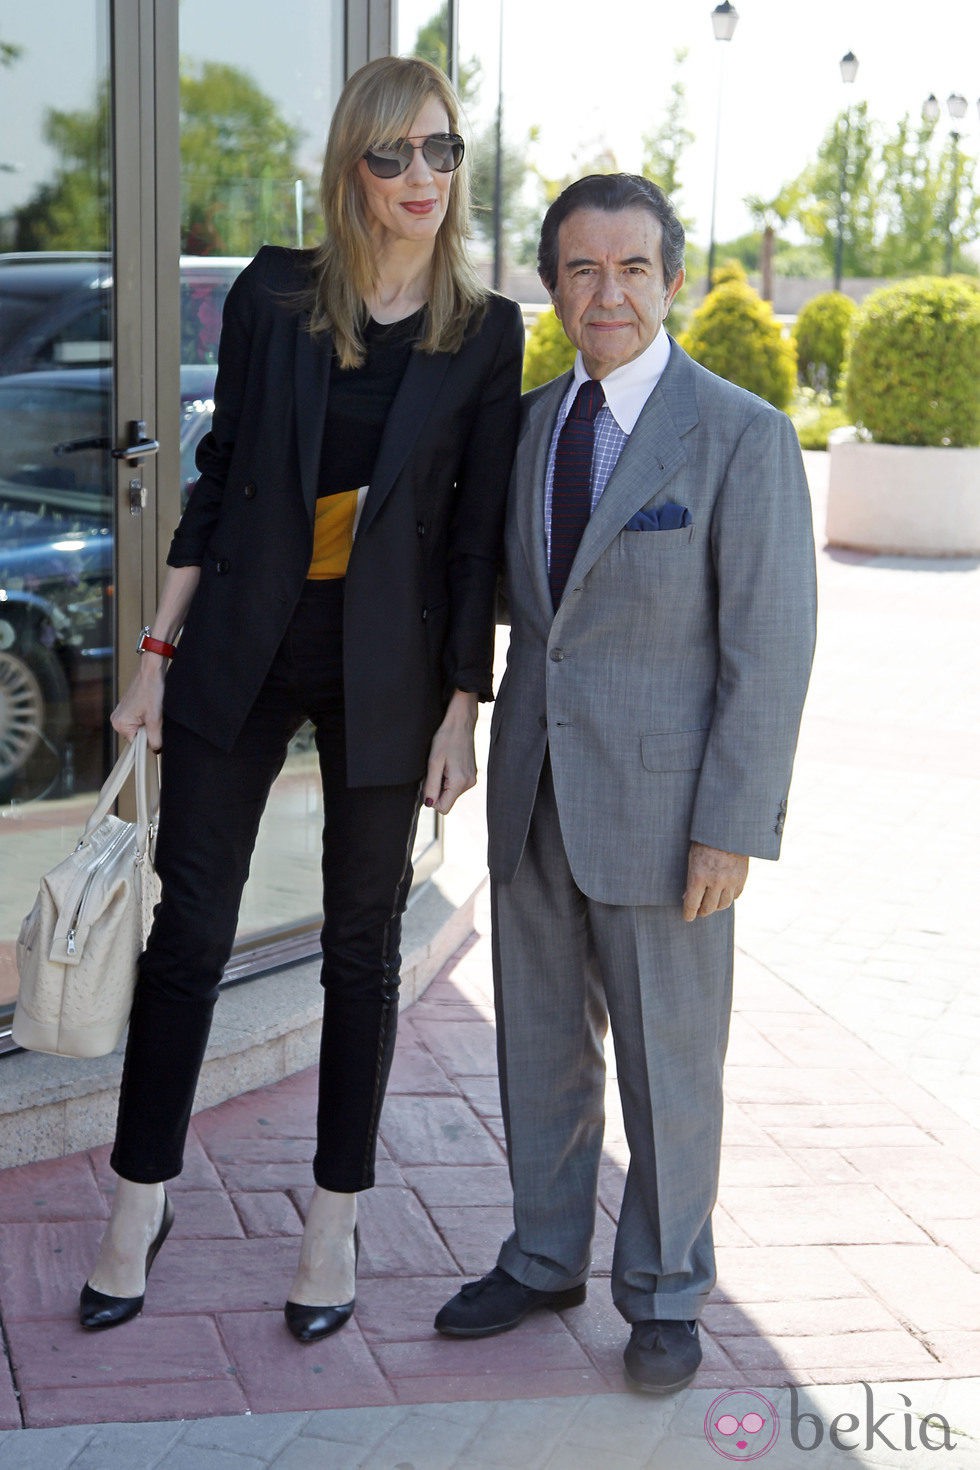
column 419, row 595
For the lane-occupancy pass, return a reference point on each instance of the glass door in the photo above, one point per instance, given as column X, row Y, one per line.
column 57, row 476
column 147, row 150
column 84, row 381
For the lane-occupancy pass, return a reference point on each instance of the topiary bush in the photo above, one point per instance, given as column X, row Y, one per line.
column 729, row 270
column 911, row 373
column 820, row 335
column 547, row 351
column 734, row 333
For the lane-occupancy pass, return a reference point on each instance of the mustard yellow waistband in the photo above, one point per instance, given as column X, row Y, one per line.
column 333, row 535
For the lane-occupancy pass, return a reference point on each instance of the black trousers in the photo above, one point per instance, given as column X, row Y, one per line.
column 211, row 802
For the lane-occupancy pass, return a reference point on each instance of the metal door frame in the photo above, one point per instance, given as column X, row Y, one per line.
column 144, row 71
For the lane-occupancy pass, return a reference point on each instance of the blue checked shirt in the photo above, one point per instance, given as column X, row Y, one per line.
column 627, row 388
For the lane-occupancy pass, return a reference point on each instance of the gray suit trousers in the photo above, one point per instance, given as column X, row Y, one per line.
column 562, row 964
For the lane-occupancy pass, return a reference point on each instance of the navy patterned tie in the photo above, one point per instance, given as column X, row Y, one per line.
column 571, row 497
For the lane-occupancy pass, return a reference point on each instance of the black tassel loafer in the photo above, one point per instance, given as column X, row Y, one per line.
column 97, row 1310
column 662, row 1357
column 497, row 1302
column 311, row 1324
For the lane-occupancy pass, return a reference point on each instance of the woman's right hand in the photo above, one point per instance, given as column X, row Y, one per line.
column 142, row 704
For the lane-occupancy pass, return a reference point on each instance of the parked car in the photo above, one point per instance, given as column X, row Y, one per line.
column 56, row 568
column 56, row 495
column 56, row 309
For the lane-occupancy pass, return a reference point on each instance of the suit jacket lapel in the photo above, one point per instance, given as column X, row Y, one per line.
column 312, row 379
column 650, row 460
column 408, row 413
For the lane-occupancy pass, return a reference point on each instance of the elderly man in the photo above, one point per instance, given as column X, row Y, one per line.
column 660, row 576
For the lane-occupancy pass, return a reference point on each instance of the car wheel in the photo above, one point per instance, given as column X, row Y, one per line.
column 35, row 714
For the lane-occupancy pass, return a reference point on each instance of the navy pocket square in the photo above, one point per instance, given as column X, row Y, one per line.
column 669, row 517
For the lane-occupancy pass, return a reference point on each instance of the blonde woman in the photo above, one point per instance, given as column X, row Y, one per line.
column 336, row 562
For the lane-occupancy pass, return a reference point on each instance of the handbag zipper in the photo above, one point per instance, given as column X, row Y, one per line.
column 103, row 858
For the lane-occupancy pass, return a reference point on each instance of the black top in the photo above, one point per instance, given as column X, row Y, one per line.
column 359, row 400
column 420, row 585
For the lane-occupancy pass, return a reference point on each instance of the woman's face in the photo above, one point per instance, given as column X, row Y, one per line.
column 412, row 206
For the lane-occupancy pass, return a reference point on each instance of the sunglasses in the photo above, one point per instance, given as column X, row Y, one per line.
column 443, row 152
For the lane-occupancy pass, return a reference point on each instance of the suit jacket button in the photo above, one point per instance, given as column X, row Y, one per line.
column 420, row 528
column 543, row 721
column 250, row 492
column 222, row 566
column 556, row 655
column 425, row 614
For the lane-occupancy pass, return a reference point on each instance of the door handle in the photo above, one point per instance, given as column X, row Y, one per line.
column 141, row 447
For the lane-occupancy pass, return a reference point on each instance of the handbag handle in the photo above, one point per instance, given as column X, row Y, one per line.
column 147, row 788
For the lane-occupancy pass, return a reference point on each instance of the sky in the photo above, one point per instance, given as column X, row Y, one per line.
column 582, row 70
column 585, row 73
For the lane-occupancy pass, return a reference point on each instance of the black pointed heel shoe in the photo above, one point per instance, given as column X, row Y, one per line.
column 311, row 1324
column 97, row 1310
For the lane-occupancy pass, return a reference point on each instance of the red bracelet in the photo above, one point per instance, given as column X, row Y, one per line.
column 155, row 645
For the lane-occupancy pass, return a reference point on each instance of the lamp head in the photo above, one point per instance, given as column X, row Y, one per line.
column 724, row 19
column 848, row 67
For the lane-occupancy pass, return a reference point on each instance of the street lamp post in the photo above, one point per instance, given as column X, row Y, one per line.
column 724, row 19
column 848, row 71
column 956, row 105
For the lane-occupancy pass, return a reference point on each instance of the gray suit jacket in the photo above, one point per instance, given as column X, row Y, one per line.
column 669, row 685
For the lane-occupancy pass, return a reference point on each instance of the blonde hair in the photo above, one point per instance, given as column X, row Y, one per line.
column 379, row 104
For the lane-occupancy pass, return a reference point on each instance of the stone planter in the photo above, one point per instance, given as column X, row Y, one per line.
column 892, row 498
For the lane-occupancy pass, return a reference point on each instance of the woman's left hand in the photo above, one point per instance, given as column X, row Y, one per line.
column 452, row 759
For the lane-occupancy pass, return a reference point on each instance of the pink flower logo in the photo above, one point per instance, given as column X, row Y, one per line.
column 741, row 1425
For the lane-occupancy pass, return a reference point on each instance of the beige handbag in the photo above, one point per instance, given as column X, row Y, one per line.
column 78, row 946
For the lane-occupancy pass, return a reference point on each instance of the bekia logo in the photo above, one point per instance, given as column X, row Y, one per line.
column 741, row 1425
column 894, row 1430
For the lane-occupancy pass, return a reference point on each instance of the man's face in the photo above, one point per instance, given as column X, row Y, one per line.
column 610, row 294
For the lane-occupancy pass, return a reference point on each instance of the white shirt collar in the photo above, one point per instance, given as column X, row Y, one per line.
column 627, row 388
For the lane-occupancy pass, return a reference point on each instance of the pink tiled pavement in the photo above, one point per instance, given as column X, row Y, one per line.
column 848, row 1242
column 845, row 1238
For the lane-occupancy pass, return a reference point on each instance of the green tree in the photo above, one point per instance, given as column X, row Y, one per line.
column 907, row 200
column 664, row 147
column 839, row 191
column 960, row 206
column 519, row 216
column 910, row 205
column 238, row 160
column 238, row 163
column 72, row 210
column 432, row 44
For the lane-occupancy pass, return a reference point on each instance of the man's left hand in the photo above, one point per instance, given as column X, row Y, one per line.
column 714, row 880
